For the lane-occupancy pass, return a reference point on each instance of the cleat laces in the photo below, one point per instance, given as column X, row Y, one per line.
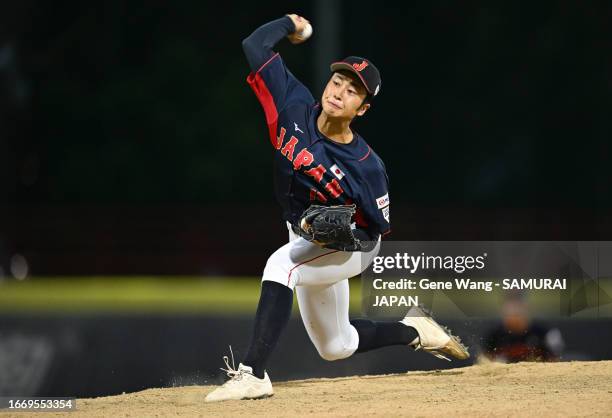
column 231, row 371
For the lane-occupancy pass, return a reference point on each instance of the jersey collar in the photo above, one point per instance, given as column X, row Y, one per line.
column 354, row 150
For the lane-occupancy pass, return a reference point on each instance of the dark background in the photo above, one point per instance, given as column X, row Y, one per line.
column 129, row 124
column 490, row 104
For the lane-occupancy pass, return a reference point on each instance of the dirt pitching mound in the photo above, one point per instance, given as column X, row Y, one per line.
column 524, row 389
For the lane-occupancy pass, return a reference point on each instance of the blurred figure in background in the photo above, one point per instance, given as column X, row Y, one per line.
column 517, row 338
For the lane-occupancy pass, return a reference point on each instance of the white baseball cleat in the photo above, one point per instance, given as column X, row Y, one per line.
column 434, row 338
column 243, row 384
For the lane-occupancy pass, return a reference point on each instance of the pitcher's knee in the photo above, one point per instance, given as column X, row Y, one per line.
column 332, row 352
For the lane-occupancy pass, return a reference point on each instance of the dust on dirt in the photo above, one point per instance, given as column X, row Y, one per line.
column 524, row 389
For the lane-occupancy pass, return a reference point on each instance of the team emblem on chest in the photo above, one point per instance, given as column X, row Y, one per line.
column 304, row 161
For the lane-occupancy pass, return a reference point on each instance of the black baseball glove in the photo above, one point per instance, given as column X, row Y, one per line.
column 329, row 226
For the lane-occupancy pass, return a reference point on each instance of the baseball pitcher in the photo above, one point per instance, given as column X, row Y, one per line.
column 333, row 191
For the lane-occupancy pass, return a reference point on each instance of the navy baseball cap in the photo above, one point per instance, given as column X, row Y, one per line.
column 365, row 70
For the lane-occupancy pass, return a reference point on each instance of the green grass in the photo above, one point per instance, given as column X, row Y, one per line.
column 239, row 296
column 138, row 295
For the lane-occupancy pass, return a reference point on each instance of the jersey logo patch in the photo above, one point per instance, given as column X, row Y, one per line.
column 337, row 172
column 385, row 213
column 297, row 128
column 382, row 201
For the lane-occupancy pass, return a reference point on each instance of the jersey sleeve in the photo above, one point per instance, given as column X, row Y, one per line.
column 276, row 88
column 274, row 82
column 375, row 202
column 270, row 79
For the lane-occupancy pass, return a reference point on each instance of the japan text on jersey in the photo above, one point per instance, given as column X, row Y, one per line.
column 310, row 168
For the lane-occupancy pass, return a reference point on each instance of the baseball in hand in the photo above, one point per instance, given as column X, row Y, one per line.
column 306, row 32
column 303, row 29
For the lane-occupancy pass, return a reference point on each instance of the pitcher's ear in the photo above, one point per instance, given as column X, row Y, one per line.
column 364, row 108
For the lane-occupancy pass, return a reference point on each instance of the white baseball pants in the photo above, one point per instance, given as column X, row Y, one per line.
column 320, row 279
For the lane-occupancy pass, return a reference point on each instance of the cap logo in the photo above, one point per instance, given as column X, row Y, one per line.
column 360, row 67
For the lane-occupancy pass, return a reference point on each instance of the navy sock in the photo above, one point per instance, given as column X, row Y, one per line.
column 375, row 334
column 273, row 313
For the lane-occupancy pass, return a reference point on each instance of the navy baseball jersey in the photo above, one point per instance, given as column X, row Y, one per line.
column 310, row 168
